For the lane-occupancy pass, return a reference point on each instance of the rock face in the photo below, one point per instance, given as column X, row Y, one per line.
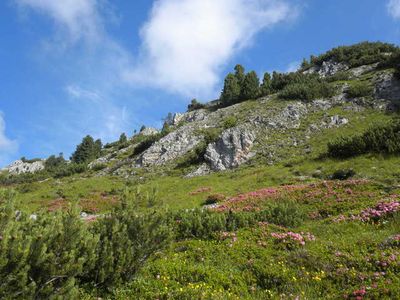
column 230, row 150
column 174, row 119
column 288, row 117
column 328, row 68
column 170, row 147
column 21, row 167
column 387, row 87
column 148, row 131
column 362, row 69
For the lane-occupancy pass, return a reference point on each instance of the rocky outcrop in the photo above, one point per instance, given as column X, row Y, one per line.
column 148, row 131
column 328, row 68
column 22, row 167
column 358, row 71
column 231, row 149
column 336, row 121
column 387, row 87
column 170, row 147
column 286, row 118
column 204, row 169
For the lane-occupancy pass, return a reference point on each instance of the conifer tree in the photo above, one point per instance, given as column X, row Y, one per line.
column 87, row 150
column 231, row 92
column 240, row 74
column 122, row 139
column 265, row 88
column 251, row 86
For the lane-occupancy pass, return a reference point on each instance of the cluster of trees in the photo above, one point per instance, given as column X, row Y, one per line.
column 56, row 255
column 240, row 86
column 364, row 53
column 384, row 139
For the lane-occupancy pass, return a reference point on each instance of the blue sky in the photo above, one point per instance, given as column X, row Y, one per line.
column 75, row 67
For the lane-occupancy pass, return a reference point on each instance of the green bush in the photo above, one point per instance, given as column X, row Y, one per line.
column 45, row 258
column 339, row 76
column 360, row 89
column 343, row 174
column 230, row 122
column 52, row 256
column 281, row 80
column 364, row 53
column 307, row 91
column 195, row 105
column 379, row 139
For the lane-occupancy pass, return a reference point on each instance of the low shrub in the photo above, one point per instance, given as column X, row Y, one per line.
column 99, row 167
column 214, row 198
column 307, row 91
column 343, row 174
column 52, row 255
column 378, row 139
column 195, row 105
column 359, row 89
column 339, row 76
column 230, row 122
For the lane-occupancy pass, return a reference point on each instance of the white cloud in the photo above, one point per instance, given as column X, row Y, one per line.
column 77, row 92
column 186, row 42
column 393, row 8
column 79, row 18
column 8, row 147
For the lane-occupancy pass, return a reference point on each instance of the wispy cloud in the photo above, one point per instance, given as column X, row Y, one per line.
column 8, row 147
column 79, row 93
column 184, row 46
column 185, row 43
column 393, row 7
column 80, row 19
column 93, row 60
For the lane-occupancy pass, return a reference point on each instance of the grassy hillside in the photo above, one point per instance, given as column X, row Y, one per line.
column 291, row 222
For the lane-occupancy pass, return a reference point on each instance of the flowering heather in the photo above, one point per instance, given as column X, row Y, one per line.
column 247, row 201
column 382, row 210
column 292, row 237
column 326, row 196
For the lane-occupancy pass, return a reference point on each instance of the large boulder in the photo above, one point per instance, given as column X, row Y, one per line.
column 22, row 167
column 231, row 149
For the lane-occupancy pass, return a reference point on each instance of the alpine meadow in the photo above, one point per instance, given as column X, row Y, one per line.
column 287, row 186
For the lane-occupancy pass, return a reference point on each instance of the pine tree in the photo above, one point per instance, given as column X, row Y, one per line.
column 251, row 86
column 265, row 88
column 87, row 150
column 122, row 139
column 240, row 74
column 231, row 92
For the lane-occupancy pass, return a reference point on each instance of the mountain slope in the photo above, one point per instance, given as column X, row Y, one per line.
column 231, row 200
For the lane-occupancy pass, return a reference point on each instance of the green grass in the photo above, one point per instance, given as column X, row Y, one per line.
column 249, row 264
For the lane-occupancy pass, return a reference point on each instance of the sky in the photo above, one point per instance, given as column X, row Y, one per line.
column 102, row 67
